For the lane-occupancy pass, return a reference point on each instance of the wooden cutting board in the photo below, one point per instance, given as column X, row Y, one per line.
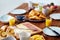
column 29, row 27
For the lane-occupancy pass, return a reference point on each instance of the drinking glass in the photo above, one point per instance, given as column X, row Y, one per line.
column 12, row 22
column 25, row 35
column 40, row 6
column 48, row 22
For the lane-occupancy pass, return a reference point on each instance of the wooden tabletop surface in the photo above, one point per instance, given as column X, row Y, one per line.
column 41, row 24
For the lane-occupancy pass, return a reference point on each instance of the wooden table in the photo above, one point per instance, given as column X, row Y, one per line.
column 42, row 24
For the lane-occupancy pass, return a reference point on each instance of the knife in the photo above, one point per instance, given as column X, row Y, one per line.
column 54, row 31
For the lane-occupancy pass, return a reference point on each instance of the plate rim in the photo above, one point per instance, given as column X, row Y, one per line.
column 54, row 14
column 37, row 21
column 12, row 12
column 4, row 20
column 48, row 34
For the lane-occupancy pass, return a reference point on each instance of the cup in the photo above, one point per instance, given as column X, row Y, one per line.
column 40, row 6
column 25, row 35
column 20, row 18
column 12, row 22
column 48, row 22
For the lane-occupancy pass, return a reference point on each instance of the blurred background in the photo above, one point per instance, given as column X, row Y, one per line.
column 7, row 5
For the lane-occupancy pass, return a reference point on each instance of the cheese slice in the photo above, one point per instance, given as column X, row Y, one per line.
column 22, row 26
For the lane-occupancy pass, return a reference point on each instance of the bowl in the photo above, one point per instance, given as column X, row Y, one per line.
column 9, row 38
column 20, row 18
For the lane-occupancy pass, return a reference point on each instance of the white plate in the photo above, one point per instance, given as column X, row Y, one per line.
column 5, row 18
column 49, row 32
column 18, row 11
column 55, row 16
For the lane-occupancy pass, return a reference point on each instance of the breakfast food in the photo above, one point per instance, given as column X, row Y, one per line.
column 11, row 31
column 4, row 34
column 37, row 37
column 4, row 27
column 6, row 31
column 36, row 15
column 29, row 28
